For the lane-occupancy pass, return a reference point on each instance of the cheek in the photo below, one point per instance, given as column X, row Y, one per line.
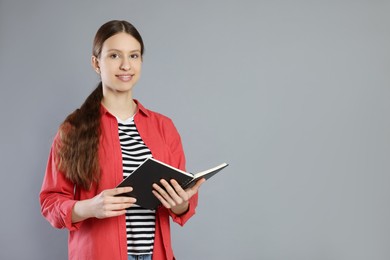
column 105, row 74
column 138, row 67
column 107, row 69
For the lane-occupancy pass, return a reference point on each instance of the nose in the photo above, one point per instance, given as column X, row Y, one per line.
column 126, row 65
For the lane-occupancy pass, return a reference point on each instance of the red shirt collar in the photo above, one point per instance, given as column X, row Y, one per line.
column 140, row 108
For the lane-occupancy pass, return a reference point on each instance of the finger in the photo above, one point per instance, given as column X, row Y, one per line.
column 173, row 191
column 123, row 199
column 117, row 206
column 116, row 191
column 108, row 197
column 161, row 199
column 194, row 189
column 179, row 190
column 176, row 185
column 121, row 190
column 163, row 193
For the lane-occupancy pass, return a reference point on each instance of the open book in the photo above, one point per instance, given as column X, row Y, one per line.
column 152, row 171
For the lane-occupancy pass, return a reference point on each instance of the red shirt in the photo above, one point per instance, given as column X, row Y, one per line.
column 106, row 238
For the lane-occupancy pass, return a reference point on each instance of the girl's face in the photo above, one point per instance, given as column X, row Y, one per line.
column 119, row 64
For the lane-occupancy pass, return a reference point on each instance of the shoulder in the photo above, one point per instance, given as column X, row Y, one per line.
column 153, row 115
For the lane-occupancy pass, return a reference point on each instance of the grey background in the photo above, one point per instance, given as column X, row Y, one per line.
column 293, row 94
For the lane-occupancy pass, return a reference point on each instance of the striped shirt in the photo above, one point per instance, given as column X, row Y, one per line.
column 140, row 223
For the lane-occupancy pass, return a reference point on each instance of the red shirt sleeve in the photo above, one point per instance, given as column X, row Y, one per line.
column 57, row 195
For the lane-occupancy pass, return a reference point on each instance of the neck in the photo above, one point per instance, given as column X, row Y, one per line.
column 120, row 105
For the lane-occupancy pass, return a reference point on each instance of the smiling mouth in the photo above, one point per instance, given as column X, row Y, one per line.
column 125, row 77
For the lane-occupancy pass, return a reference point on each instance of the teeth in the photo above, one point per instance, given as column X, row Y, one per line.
column 125, row 77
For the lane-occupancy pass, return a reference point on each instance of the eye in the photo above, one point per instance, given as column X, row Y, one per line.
column 134, row 56
column 114, row 56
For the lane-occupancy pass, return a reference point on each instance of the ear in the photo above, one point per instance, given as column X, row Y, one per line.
column 95, row 64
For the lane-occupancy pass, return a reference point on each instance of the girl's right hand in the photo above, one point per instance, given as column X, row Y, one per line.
column 104, row 205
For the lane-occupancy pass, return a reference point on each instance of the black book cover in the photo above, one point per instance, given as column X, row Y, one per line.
column 152, row 171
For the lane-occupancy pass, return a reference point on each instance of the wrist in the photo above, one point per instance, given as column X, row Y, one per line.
column 181, row 209
column 81, row 211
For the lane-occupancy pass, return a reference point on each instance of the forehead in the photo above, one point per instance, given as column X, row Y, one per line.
column 122, row 42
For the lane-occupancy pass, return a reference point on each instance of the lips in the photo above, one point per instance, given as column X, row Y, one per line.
column 125, row 77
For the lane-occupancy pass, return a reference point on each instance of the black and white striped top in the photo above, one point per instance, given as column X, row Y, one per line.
column 140, row 223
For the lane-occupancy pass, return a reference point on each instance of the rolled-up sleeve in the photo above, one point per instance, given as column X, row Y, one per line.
column 57, row 195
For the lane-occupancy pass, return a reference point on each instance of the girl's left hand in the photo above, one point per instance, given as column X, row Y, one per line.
column 174, row 197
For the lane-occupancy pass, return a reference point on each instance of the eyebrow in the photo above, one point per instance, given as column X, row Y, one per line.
column 132, row 51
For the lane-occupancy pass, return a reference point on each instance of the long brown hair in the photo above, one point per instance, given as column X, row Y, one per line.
column 77, row 151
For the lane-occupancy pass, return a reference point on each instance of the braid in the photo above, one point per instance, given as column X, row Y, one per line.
column 77, row 151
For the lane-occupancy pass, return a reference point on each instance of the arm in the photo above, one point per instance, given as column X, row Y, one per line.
column 60, row 207
column 57, row 195
column 104, row 205
column 181, row 204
